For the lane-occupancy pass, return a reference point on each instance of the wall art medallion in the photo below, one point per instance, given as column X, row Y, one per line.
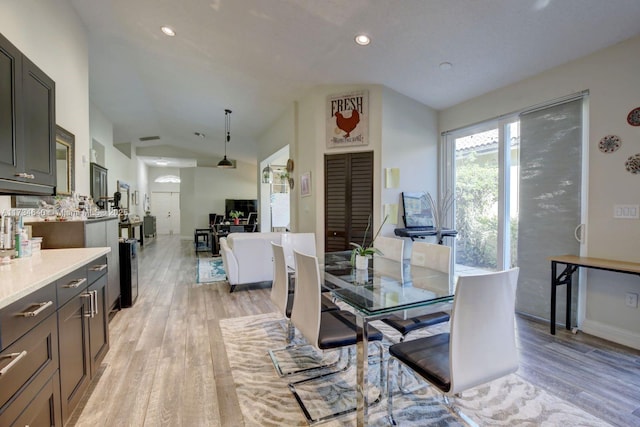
column 634, row 117
column 633, row 164
column 609, row 144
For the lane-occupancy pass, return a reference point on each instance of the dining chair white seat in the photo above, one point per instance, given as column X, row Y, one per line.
column 481, row 344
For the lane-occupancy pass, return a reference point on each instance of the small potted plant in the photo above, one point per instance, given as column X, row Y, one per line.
column 236, row 216
column 361, row 253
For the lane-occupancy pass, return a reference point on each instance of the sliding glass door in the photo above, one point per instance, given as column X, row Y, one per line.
column 519, row 195
column 485, row 181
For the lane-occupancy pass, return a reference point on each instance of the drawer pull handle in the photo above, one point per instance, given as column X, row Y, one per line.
column 41, row 307
column 17, row 356
column 25, row 175
column 98, row 267
column 75, row 283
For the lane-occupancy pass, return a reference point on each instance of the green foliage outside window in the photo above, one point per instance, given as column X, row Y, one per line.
column 476, row 211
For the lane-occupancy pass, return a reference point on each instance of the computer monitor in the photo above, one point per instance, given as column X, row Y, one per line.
column 417, row 210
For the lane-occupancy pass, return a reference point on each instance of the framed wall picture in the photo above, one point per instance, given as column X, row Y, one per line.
column 305, row 184
column 348, row 119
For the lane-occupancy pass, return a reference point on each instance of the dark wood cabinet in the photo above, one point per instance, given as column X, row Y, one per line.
column 29, row 387
column 75, row 365
column 83, row 331
column 93, row 233
column 27, row 125
column 98, row 323
column 149, row 226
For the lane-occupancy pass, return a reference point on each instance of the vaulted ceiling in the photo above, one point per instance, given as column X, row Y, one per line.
column 257, row 56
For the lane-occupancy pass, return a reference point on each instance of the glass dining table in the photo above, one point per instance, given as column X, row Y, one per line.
column 386, row 287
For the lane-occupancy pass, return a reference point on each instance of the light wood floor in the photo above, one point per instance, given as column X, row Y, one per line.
column 167, row 364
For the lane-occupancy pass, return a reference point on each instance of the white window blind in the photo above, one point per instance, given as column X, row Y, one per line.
column 550, row 200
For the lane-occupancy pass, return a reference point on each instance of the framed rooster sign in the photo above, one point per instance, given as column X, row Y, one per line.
column 348, row 119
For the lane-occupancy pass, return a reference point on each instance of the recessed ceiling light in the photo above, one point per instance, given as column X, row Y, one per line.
column 362, row 39
column 161, row 162
column 444, row 66
column 168, row 31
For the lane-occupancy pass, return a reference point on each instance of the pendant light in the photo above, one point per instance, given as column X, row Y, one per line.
column 226, row 163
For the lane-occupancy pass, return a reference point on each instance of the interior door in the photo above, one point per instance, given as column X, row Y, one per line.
column 348, row 199
column 166, row 207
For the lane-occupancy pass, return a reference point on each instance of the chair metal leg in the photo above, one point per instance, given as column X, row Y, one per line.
column 293, row 347
column 456, row 411
column 305, row 410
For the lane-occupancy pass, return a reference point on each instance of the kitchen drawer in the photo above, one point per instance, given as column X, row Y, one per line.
column 36, row 407
column 71, row 285
column 97, row 268
column 17, row 318
column 31, row 359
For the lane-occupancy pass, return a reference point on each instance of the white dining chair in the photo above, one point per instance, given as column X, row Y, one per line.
column 283, row 296
column 435, row 257
column 390, row 247
column 325, row 330
column 481, row 344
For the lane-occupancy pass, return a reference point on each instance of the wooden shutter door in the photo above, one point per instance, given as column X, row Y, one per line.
column 348, row 199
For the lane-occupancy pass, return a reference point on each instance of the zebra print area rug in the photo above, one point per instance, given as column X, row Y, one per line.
column 265, row 398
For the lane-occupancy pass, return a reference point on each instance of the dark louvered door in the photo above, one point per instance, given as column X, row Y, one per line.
column 348, row 199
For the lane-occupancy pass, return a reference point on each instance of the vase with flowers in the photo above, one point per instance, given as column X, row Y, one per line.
column 236, row 216
column 362, row 252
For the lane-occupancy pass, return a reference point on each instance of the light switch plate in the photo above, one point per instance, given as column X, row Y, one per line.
column 626, row 211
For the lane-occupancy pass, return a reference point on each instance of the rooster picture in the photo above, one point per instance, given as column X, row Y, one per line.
column 347, row 124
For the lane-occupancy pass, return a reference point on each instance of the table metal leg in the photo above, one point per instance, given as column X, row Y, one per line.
column 362, row 383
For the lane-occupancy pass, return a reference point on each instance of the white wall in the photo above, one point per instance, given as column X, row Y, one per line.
column 119, row 166
column 30, row 25
column 282, row 133
column 610, row 76
column 203, row 190
column 410, row 143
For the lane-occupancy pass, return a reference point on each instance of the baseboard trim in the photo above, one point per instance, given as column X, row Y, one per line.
column 611, row 333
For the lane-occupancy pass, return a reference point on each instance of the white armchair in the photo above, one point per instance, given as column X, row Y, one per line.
column 248, row 257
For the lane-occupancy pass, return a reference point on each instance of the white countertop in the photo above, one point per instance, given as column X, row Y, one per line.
column 26, row 275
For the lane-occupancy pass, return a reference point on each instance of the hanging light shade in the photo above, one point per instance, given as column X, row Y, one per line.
column 267, row 175
column 226, row 163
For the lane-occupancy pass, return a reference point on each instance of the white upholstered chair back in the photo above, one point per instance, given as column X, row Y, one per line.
column 302, row 242
column 482, row 344
column 305, row 314
column 429, row 255
column 280, row 287
column 391, row 247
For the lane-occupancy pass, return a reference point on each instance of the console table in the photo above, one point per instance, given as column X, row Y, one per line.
column 571, row 264
column 130, row 226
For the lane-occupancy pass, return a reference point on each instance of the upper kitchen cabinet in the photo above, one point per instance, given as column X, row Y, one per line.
column 27, row 125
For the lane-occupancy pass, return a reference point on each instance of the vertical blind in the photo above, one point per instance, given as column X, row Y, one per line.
column 550, row 200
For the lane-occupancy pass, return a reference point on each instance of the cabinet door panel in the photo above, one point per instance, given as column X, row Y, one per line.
column 39, row 124
column 10, row 88
column 41, row 406
column 74, row 352
column 98, row 324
